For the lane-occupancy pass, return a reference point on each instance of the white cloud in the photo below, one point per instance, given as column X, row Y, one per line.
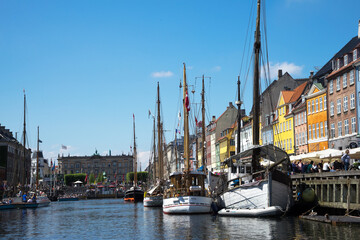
column 216, row 69
column 291, row 68
column 162, row 74
column 143, row 158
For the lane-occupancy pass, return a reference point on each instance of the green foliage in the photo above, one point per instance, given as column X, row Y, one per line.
column 91, row 178
column 71, row 178
column 141, row 176
column 100, row 178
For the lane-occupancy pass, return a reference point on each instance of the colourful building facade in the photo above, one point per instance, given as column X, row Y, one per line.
column 317, row 123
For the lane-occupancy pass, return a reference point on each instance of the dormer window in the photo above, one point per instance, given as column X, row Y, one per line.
column 333, row 64
column 345, row 60
column 337, row 64
column 355, row 54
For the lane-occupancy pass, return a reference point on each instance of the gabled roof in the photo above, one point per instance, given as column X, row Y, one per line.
column 287, row 96
column 298, row 92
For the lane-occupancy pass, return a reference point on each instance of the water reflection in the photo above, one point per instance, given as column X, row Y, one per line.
column 115, row 219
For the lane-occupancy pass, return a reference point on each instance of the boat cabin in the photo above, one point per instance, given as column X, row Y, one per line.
column 179, row 182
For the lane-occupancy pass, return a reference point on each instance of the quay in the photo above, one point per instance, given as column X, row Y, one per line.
column 337, row 190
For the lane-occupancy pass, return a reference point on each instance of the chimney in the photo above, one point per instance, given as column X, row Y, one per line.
column 359, row 30
column 279, row 73
column 230, row 104
column 213, row 119
column 311, row 74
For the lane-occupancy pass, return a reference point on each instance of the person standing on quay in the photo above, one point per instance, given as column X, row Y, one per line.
column 346, row 160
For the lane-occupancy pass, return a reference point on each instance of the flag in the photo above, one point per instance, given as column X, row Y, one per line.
column 53, row 167
column 187, row 103
column 179, row 115
column 63, row 147
column 51, row 163
column 196, row 121
column 149, row 113
column 40, row 141
column 86, row 178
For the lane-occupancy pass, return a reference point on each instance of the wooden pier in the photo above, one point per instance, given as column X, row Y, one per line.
column 338, row 190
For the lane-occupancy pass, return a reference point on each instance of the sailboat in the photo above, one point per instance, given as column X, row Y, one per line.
column 187, row 193
column 135, row 193
column 154, row 197
column 257, row 192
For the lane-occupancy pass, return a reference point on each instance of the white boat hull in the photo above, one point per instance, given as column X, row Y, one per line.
column 261, row 198
column 259, row 212
column 187, row 205
column 153, row 201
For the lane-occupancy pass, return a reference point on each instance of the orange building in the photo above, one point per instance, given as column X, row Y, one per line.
column 317, row 118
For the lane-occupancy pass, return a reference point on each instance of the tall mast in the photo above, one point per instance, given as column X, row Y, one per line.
column 203, row 124
column 186, row 125
column 37, row 160
column 24, row 134
column 154, row 165
column 238, row 103
column 161, row 167
column 175, row 147
column 135, row 155
column 256, row 95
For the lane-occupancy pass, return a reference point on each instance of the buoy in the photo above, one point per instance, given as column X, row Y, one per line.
column 308, row 195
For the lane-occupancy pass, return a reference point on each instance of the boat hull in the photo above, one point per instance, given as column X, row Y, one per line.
column 187, row 205
column 6, row 206
column 263, row 212
column 153, row 201
column 136, row 195
column 260, row 198
column 43, row 201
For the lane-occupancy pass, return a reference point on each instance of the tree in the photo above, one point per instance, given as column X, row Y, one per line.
column 91, row 178
column 141, row 176
column 71, row 178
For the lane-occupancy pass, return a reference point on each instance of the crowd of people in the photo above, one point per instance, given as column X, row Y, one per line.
column 312, row 167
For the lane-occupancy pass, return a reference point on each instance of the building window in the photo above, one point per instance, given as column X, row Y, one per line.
column 290, row 124
column 352, row 101
column 345, row 80
column 339, row 129
column 355, row 54
column 305, row 135
column 332, row 130
column 331, row 109
column 337, row 63
column 351, row 77
column 338, row 84
column 313, row 128
column 309, row 131
column 316, row 105
column 321, row 130
column 290, row 142
column 317, row 131
column 345, row 104
column 353, row 125
column 325, row 103
column 77, row 165
column 345, row 60
column 312, row 106
column 326, row 130
column 331, row 88
column 346, row 126
column 338, row 106
column 320, row 104
column 287, row 125
column 309, row 106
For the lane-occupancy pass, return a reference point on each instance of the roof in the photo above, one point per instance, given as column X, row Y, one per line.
column 327, row 68
column 298, row 92
column 333, row 73
column 287, row 96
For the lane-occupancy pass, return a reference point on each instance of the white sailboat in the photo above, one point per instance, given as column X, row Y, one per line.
column 187, row 193
column 255, row 191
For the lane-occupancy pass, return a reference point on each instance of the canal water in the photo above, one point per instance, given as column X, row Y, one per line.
column 116, row 219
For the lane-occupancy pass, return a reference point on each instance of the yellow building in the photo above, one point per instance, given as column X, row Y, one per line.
column 284, row 121
column 317, row 118
column 226, row 144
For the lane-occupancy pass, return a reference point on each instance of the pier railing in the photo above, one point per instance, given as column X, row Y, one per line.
column 339, row 189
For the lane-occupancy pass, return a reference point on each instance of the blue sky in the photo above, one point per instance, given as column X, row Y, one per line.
column 87, row 66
